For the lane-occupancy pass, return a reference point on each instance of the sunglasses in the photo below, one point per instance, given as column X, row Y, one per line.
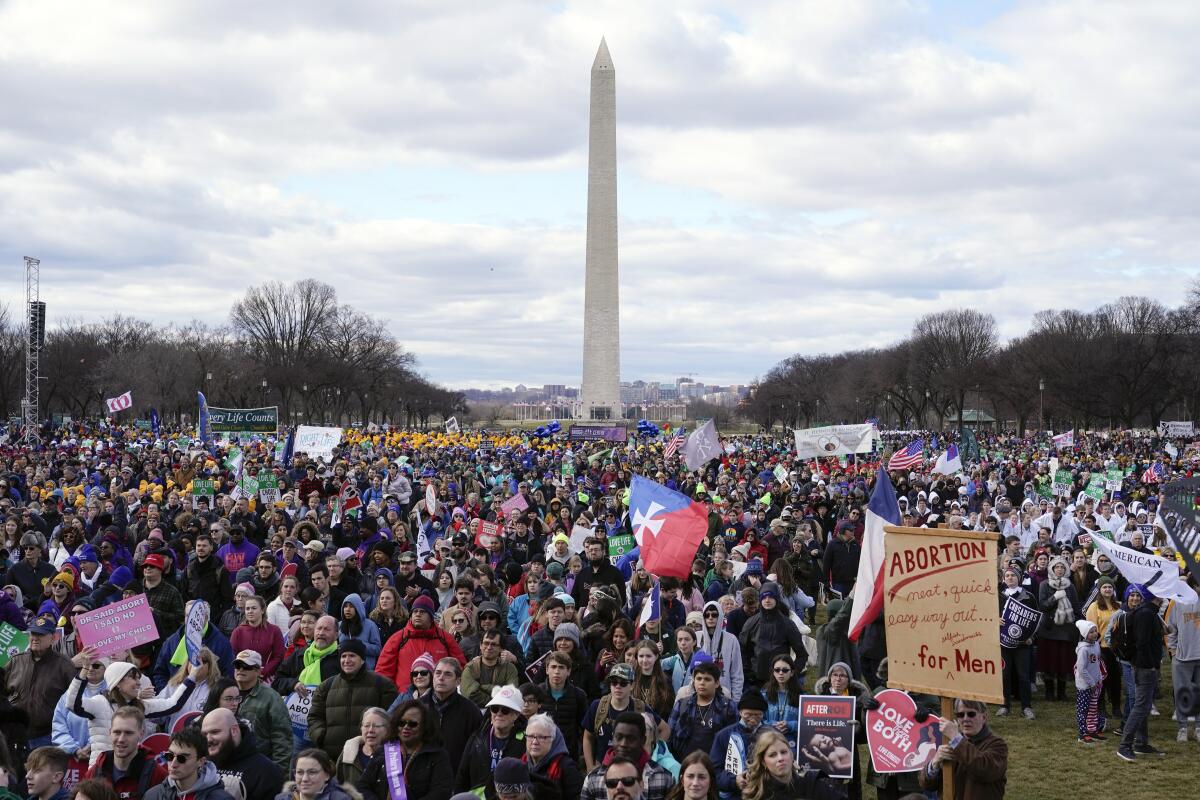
column 182, row 758
column 966, row 714
column 627, row 781
column 419, row 673
column 782, row 670
column 244, row 665
column 711, row 615
column 618, row 682
column 408, row 723
column 501, row 710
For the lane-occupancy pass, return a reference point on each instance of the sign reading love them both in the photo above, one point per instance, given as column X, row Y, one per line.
column 942, row 613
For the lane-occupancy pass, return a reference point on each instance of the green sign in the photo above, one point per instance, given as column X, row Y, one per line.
column 143, row 424
column 568, row 469
column 268, row 488
column 1113, row 479
column 243, row 420
column 204, row 487
column 1095, row 488
column 249, row 486
column 13, row 642
column 620, row 545
column 1063, row 481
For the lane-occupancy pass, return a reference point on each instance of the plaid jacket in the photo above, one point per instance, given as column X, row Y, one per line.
column 656, row 782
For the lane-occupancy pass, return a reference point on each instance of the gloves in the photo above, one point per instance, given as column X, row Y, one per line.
column 922, row 714
column 871, row 704
column 1060, row 594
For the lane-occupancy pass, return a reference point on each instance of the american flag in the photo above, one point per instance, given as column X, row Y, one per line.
column 673, row 443
column 1153, row 473
column 910, row 456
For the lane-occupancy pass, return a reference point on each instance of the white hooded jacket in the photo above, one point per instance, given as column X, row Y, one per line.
column 725, row 650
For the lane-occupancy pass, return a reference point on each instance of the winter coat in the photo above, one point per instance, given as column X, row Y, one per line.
column 264, row 709
column 476, row 767
column 568, row 712
column 98, row 710
column 144, row 772
column 688, row 724
column 478, row 679
column 260, row 777
column 427, row 776
column 369, row 632
column 726, row 651
column 558, row 768
column 265, row 639
column 213, row 639
column 398, row 653
column 459, row 718
column 768, row 634
column 208, row 581
column 1047, row 603
column 69, row 731
column 334, row 790
column 352, row 763
column 980, row 768
column 208, row 786
column 737, row 733
column 338, row 705
column 812, row 785
column 12, row 613
column 35, row 687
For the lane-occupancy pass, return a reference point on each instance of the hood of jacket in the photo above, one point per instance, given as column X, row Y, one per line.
column 708, row 642
column 387, row 573
column 206, row 779
column 359, row 608
column 557, row 747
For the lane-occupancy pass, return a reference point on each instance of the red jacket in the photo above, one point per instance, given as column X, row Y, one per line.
column 402, row 649
column 144, row 773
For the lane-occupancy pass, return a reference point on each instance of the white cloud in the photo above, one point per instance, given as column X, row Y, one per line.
column 827, row 174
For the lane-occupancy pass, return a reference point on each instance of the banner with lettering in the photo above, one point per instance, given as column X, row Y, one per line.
column 243, row 420
column 825, row 734
column 942, row 613
column 895, row 740
column 1018, row 623
column 117, row 626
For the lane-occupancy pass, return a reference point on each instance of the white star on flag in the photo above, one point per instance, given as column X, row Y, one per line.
column 642, row 522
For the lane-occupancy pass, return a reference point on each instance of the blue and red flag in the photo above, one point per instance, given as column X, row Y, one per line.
column 669, row 527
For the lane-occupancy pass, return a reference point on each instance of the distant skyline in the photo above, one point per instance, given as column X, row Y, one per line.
column 794, row 177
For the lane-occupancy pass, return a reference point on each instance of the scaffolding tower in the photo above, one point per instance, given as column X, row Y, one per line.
column 35, row 315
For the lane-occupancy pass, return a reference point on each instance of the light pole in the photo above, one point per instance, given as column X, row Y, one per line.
column 304, row 400
column 264, row 391
column 1041, row 392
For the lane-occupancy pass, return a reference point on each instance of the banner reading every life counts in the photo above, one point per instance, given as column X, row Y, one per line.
column 835, row 440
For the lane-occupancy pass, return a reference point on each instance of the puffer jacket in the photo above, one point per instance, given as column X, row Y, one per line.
column 399, row 652
column 369, row 633
column 476, row 766
column 766, row 635
column 338, row 705
column 265, row 710
column 98, row 710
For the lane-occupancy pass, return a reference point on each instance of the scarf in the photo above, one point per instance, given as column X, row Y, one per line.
column 311, row 674
column 180, row 654
column 1063, row 613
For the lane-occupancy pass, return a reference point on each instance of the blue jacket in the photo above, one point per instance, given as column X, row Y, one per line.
column 369, row 635
column 726, row 780
column 214, row 640
column 782, row 711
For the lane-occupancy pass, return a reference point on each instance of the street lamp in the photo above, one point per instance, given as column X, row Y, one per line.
column 1041, row 392
column 264, row 391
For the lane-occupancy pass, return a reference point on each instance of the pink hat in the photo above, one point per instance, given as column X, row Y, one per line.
column 423, row 661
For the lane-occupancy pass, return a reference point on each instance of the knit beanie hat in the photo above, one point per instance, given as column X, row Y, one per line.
column 121, row 576
column 423, row 661
column 423, row 603
column 567, row 630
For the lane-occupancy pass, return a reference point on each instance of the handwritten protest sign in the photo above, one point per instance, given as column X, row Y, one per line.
column 317, row 442
column 1018, row 622
column 825, row 734
column 118, row 626
column 942, row 614
column 1063, row 481
column 896, row 741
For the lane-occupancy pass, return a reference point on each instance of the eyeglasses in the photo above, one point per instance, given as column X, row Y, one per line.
column 628, row 780
column 408, row 723
column 534, row 737
column 308, row 773
column 170, row 756
column 966, row 714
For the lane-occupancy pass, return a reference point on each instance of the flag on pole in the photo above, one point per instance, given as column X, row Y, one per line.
column 673, row 443
column 155, row 422
column 120, row 402
column 348, row 500
column 948, row 463
column 202, row 422
column 701, row 447
column 668, row 526
column 908, row 457
column 289, row 448
column 651, row 609
column 1153, row 473
column 868, row 588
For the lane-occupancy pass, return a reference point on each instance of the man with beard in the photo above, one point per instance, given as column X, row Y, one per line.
column 207, row 579
column 410, row 583
column 622, row 781
column 31, row 573
column 237, row 552
column 597, row 571
column 232, row 748
column 313, row 664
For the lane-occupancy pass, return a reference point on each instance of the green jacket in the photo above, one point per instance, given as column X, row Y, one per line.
column 338, row 705
column 480, row 691
column 264, row 709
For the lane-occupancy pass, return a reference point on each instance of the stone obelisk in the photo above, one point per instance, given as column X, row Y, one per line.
column 600, row 394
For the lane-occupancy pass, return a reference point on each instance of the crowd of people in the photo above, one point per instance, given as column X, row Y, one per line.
column 423, row 614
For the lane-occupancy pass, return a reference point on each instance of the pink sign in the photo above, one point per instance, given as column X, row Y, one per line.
column 897, row 742
column 514, row 504
column 118, row 626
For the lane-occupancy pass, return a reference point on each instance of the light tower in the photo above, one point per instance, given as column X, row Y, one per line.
column 35, row 337
column 600, row 393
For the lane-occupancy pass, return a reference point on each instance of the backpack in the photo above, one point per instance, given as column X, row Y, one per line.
column 1120, row 638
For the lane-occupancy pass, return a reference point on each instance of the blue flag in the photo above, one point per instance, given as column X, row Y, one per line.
column 205, row 434
column 290, row 447
column 154, row 421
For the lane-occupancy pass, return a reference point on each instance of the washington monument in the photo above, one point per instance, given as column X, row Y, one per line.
column 600, row 394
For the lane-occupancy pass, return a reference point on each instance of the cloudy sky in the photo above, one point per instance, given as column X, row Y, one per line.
column 794, row 176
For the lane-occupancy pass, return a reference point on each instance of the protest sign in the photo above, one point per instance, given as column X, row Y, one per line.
column 13, row 642
column 268, row 488
column 1159, row 575
column 117, row 626
column 1113, row 479
column 431, row 501
column 489, row 529
column 1018, row 622
column 194, row 627
column 895, row 740
column 942, row 614
column 298, row 705
column 1178, row 517
column 317, row 442
column 513, row 505
column 1064, row 440
column 536, row 672
column 203, row 487
column 243, row 420
column 1063, row 481
column 835, row 440
column 579, row 534
column 1095, row 488
column 620, row 545
column 596, row 433
column 825, row 734
column 1176, row 430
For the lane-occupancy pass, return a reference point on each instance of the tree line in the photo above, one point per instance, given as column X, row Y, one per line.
column 288, row 345
column 1129, row 363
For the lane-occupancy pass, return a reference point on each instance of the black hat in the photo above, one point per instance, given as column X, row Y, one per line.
column 511, row 776
column 355, row 646
column 752, row 701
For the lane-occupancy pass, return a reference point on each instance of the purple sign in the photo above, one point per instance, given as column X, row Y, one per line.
column 597, row 433
column 117, row 627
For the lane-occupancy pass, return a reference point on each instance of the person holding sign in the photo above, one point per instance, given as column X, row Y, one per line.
column 1018, row 653
column 980, row 758
column 772, row 774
